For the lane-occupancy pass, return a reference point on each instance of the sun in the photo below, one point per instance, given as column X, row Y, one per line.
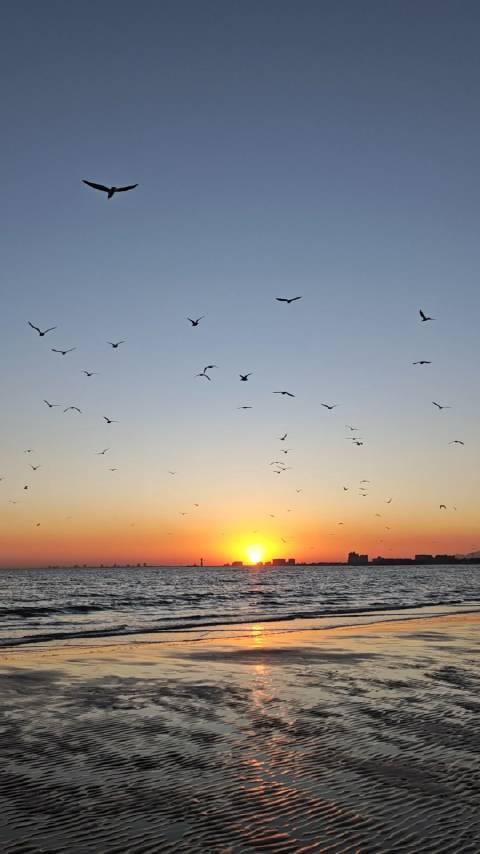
column 254, row 553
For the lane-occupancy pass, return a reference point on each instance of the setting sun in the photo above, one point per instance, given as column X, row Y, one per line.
column 255, row 553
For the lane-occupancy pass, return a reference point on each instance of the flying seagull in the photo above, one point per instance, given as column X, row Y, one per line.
column 244, row 377
column 345, row 488
column 197, row 321
column 349, row 427
column 299, row 490
column 51, row 405
column 424, row 317
column 388, row 501
column 34, row 468
column 113, row 469
column 28, row 451
column 204, row 374
column 244, row 407
column 109, row 190
column 75, row 408
column 358, row 443
column 50, row 329
column 288, row 393
column 100, row 453
column 364, row 480
column 328, row 406
column 439, row 406
column 443, row 506
column 422, row 362
column 63, row 352
column 89, row 373
column 209, row 367
column 116, row 344
column 287, row 300
column 282, row 438
column 172, row 472
column 456, row 442
column 109, row 420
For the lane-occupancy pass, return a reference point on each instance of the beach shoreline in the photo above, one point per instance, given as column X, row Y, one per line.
column 256, row 737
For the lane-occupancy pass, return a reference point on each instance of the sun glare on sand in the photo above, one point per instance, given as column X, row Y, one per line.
column 254, row 553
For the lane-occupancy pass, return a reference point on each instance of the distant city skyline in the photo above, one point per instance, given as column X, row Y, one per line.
column 323, row 151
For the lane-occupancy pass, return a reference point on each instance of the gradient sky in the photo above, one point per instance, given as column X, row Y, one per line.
column 328, row 150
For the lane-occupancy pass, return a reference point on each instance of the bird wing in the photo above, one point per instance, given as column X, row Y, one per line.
column 281, row 299
column 294, row 299
column 55, row 351
column 96, row 186
column 33, row 327
column 422, row 315
column 70, row 350
column 50, row 329
column 124, row 189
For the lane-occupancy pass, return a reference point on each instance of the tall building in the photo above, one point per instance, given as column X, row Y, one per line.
column 355, row 559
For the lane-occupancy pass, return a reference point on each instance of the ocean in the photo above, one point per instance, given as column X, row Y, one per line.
column 69, row 604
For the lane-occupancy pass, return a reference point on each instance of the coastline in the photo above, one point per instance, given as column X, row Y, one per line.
column 278, row 737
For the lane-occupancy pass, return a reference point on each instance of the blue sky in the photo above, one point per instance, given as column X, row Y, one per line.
column 322, row 149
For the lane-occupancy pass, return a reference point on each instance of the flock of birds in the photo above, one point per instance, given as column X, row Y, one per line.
column 279, row 467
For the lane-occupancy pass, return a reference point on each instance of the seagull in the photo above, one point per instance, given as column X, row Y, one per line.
column 183, row 514
column 388, row 501
column 456, row 442
column 197, row 321
column 328, row 406
column 424, row 317
column 287, row 300
column 109, row 420
column 244, row 407
column 209, row 367
column 172, row 472
column 244, row 377
column 51, row 405
column 345, row 488
column 358, row 443
column 288, row 393
column 443, row 506
column 34, row 468
column 365, row 481
column 116, row 344
column 282, row 438
column 89, row 373
column 75, row 408
column 349, row 427
column 299, row 490
column 25, row 487
column 439, row 406
column 422, row 362
column 109, row 190
column 203, row 374
column 63, row 352
column 50, row 329
column 28, row 451
column 340, row 523
column 100, row 453
column 113, row 469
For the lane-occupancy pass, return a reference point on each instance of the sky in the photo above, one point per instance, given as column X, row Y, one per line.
column 324, row 150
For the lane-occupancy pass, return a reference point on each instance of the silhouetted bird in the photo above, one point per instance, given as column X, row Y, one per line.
column 51, row 405
column 209, row 367
column 287, row 393
column 34, row 468
column 25, row 487
column 456, row 442
column 349, row 427
column 244, row 377
column 203, row 374
column 109, row 190
column 388, row 501
column 424, row 316
column 287, row 300
column 197, row 321
column 116, row 344
column 50, row 329
column 282, row 438
column 28, row 451
column 89, row 373
column 358, row 443
column 422, row 362
column 63, row 352
column 113, row 469
column 100, row 453
column 345, row 488
column 109, row 420
column 328, row 406
column 443, row 506
column 439, row 406
column 172, row 472
column 75, row 408
column 365, row 481
column 299, row 490
column 244, row 407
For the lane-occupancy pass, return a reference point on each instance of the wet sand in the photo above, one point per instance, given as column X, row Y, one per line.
column 265, row 737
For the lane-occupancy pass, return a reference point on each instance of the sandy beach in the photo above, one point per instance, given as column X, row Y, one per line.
column 282, row 737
